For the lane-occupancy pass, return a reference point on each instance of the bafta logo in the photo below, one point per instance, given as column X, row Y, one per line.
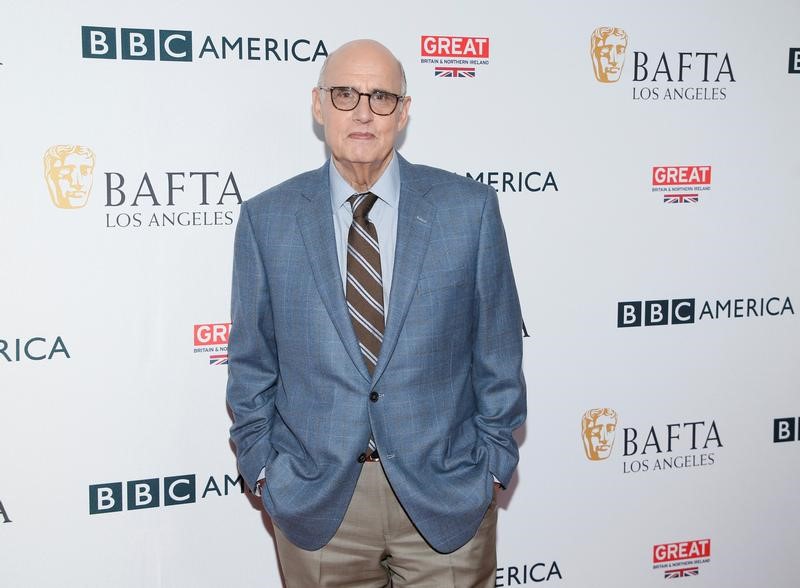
column 68, row 172
column 598, row 428
column 608, row 53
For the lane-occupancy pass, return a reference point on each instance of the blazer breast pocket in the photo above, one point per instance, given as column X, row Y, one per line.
column 447, row 278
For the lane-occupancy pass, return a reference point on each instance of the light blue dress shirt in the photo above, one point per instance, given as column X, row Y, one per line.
column 383, row 215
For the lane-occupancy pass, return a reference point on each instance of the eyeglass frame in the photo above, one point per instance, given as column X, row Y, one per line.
column 399, row 98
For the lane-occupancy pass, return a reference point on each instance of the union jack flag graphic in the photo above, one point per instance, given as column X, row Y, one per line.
column 454, row 72
column 218, row 359
column 682, row 198
column 682, row 573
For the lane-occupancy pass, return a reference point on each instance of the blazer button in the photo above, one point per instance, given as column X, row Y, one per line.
column 373, row 396
column 362, row 458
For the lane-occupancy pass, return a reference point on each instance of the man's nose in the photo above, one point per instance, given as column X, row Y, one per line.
column 362, row 111
column 613, row 56
column 75, row 177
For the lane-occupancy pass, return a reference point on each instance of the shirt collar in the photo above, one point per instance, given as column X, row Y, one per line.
column 387, row 188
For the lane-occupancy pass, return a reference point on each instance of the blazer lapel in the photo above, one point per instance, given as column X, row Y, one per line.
column 414, row 221
column 315, row 222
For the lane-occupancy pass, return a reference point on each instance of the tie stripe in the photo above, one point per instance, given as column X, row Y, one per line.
column 365, row 323
column 365, row 264
column 356, row 200
column 368, row 238
column 361, row 294
column 369, row 355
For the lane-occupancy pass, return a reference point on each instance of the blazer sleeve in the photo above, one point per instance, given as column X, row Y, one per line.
column 497, row 377
column 252, row 354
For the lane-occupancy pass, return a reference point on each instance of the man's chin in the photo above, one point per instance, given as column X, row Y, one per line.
column 363, row 158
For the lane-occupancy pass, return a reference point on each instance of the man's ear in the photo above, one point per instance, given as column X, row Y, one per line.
column 403, row 120
column 316, row 105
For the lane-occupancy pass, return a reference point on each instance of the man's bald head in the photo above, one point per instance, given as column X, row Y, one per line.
column 367, row 51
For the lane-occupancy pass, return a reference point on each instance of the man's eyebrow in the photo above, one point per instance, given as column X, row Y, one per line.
column 370, row 91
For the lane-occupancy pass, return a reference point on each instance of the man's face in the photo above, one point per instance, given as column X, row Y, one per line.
column 609, row 57
column 600, row 436
column 72, row 177
column 360, row 137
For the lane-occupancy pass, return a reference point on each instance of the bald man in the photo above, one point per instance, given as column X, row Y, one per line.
column 375, row 357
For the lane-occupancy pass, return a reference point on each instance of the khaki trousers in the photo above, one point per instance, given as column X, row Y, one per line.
column 377, row 546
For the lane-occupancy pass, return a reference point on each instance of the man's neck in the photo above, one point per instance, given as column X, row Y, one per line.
column 362, row 176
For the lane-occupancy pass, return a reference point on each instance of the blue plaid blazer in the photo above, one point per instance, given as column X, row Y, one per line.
column 449, row 376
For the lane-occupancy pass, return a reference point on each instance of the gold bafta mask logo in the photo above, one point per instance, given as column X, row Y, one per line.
column 609, row 45
column 598, row 428
column 68, row 172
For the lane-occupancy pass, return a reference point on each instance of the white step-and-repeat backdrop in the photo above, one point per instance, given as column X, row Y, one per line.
column 646, row 157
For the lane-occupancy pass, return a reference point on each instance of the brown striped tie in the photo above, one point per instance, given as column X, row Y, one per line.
column 364, row 292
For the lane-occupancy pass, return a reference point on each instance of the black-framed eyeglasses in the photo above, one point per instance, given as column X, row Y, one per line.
column 380, row 102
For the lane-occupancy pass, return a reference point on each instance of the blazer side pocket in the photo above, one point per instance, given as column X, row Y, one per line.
column 447, row 278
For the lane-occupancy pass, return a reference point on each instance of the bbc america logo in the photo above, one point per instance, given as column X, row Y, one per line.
column 33, row 349
column 514, row 575
column 682, row 311
column 4, row 518
column 136, row 44
column 155, row 492
column 142, row 494
column 786, row 429
column 656, row 312
column 176, row 45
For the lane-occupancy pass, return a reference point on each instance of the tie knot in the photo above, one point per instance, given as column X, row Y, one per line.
column 362, row 204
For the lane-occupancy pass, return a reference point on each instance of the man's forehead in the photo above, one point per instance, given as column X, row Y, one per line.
column 362, row 62
column 363, row 73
